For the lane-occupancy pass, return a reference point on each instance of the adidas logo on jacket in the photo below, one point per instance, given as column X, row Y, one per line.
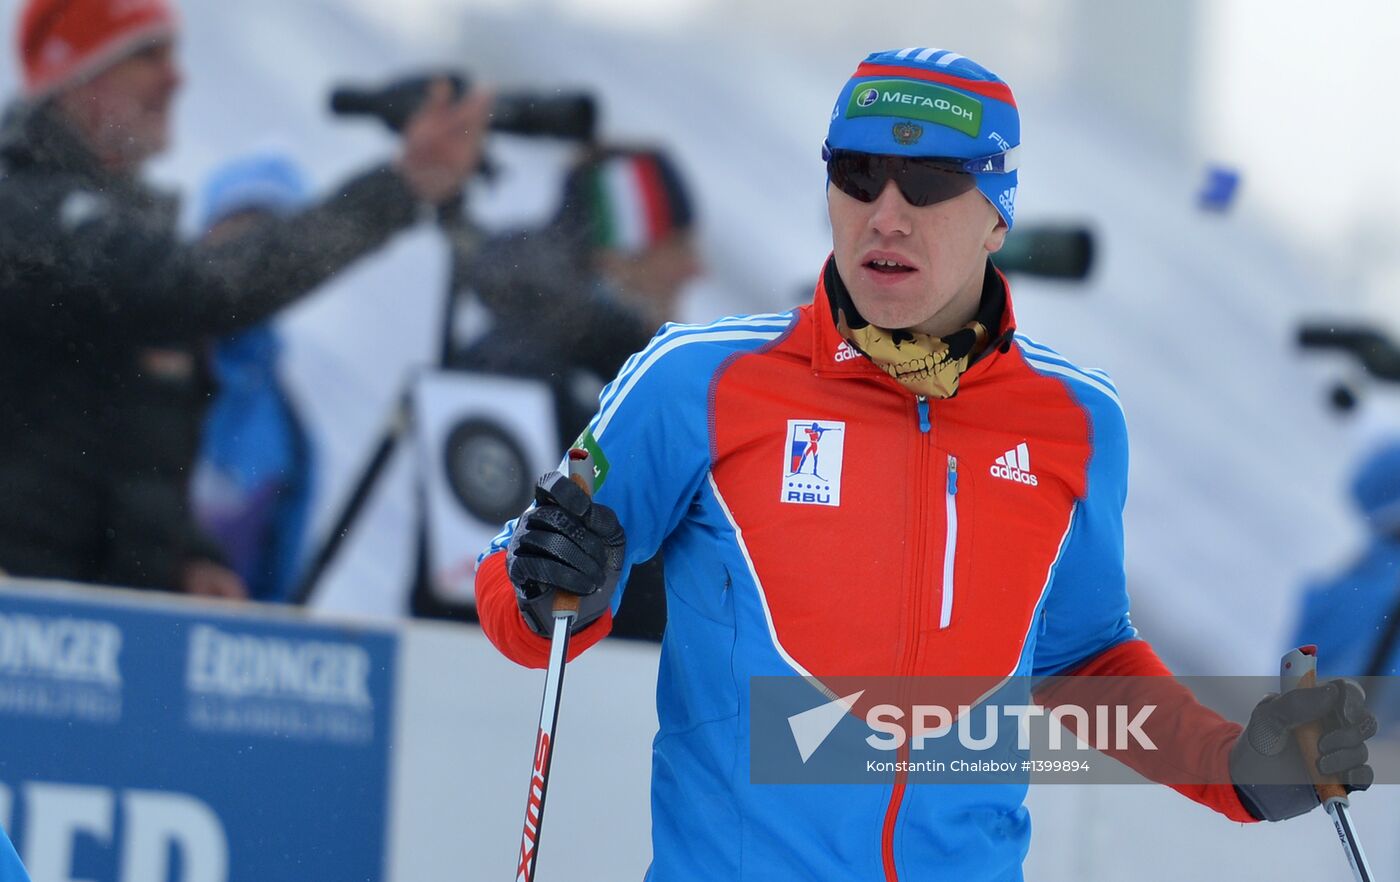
column 1015, row 465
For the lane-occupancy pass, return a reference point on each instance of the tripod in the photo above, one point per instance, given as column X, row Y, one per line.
column 463, row 240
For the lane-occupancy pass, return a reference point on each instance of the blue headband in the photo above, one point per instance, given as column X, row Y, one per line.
column 935, row 103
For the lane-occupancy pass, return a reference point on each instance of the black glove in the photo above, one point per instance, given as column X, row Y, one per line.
column 1267, row 766
column 565, row 543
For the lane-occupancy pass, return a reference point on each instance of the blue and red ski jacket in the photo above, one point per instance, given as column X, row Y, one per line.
column 818, row 519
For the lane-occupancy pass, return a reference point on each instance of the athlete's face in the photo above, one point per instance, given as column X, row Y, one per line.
column 940, row 253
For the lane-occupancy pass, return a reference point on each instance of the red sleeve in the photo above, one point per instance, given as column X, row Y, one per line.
column 1193, row 742
column 505, row 626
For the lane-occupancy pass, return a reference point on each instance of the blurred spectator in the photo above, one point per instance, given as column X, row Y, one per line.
column 1352, row 616
column 636, row 221
column 572, row 301
column 252, row 484
column 103, row 313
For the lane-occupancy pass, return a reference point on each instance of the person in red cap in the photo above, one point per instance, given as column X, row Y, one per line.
column 109, row 66
column 103, row 310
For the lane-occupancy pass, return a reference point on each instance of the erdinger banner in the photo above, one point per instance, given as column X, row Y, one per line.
column 149, row 743
column 483, row 441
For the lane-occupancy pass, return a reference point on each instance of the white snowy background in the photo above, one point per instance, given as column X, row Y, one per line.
column 1237, row 471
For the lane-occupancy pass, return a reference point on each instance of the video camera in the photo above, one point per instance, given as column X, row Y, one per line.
column 1048, row 250
column 570, row 115
column 1373, row 349
column 1376, row 352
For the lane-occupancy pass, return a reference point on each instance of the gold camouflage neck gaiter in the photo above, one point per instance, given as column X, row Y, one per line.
column 924, row 364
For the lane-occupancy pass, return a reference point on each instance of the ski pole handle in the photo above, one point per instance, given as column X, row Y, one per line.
column 1299, row 670
column 581, row 473
column 565, row 604
column 581, row 469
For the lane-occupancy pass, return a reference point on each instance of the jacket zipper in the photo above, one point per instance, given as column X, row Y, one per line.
column 950, row 544
column 892, row 816
column 910, row 651
column 945, row 613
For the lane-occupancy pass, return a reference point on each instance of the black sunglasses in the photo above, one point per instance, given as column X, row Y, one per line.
column 921, row 180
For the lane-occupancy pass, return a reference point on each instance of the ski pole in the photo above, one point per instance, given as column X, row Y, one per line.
column 1299, row 669
column 565, row 611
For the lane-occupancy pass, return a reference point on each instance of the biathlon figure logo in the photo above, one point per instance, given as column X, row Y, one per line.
column 801, row 454
column 812, row 466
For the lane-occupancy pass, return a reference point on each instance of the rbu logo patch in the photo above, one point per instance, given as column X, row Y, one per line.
column 812, row 466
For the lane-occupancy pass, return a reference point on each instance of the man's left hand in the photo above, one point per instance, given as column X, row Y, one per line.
column 1267, row 765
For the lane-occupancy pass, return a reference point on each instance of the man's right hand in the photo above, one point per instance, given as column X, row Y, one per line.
column 567, row 543
column 443, row 142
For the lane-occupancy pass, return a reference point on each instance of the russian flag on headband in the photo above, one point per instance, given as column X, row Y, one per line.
column 998, row 90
